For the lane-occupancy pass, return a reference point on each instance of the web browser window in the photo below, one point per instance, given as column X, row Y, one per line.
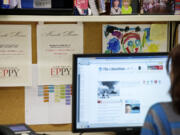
column 118, row 91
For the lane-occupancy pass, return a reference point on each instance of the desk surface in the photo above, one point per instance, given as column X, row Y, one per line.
column 70, row 133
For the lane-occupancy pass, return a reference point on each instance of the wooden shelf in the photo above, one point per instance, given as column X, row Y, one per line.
column 124, row 18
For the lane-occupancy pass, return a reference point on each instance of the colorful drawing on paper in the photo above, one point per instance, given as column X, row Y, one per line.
column 134, row 38
column 55, row 93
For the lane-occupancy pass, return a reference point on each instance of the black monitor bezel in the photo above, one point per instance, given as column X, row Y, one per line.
column 122, row 130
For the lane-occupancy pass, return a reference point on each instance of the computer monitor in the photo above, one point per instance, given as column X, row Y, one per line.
column 114, row 92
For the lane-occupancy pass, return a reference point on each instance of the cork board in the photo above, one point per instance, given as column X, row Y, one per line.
column 12, row 99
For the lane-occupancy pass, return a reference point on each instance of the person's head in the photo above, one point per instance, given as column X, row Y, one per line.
column 128, row 108
column 116, row 3
column 173, row 68
column 126, row 3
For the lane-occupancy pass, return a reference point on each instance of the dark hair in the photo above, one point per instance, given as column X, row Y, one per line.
column 129, row 105
column 114, row 1
column 173, row 63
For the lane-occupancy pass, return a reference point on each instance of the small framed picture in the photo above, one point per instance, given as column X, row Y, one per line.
column 124, row 7
column 157, row 7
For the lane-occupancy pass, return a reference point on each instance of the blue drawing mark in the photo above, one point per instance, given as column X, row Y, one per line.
column 130, row 43
column 138, row 43
column 148, row 32
column 114, row 45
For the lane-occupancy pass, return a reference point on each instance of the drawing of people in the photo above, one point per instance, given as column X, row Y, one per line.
column 115, row 7
column 131, row 43
column 126, row 7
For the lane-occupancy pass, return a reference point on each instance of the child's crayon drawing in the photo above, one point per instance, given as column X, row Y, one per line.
column 134, row 38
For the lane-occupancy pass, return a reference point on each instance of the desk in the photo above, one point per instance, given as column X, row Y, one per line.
column 70, row 133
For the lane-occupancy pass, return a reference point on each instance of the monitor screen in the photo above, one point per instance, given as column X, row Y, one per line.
column 114, row 91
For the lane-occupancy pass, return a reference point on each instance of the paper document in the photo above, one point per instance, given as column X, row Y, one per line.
column 47, row 104
column 56, row 44
column 42, row 3
column 15, row 55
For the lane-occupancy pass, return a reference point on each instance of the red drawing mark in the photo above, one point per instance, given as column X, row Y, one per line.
column 136, row 50
column 129, row 37
column 128, row 50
